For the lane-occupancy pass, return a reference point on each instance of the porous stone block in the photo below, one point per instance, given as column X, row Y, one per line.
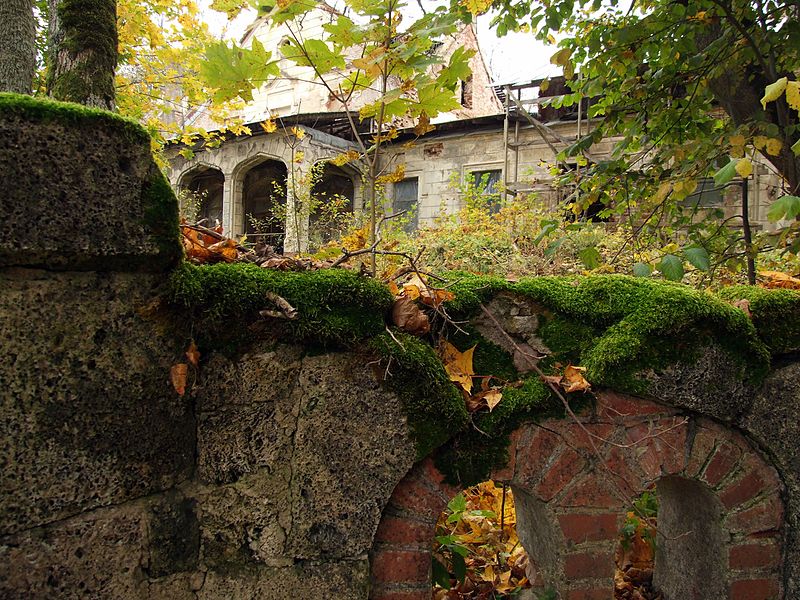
column 336, row 580
column 81, row 191
column 93, row 556
column 352, row 446
column 88, row 417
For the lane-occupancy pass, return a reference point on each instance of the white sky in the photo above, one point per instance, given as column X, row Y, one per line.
column 516, row 57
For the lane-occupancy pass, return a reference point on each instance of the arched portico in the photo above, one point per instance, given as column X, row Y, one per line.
column 721, row 513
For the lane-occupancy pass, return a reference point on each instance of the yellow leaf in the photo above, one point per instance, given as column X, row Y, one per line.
column 793, row 94
column 458, row 365
column 269, row 125
column 744, row 167
column 773, row 146
column 760, row 142
column 298, row 132
column 574, row 380
column 773, row 91
column 477, row 7
column 737, row 140
column 493, row 398
column 561, row 58
column 411, row 291
column 298, row 156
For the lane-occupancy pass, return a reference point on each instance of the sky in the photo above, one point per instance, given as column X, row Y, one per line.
column 516, row 57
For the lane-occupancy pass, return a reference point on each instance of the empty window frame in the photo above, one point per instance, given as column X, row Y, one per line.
column 406, row 197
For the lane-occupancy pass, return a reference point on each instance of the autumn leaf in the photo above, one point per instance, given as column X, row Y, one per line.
column 492, row 398
column 269, row 125
column 458, row 364
column 407, row 316
column 778, row 280
column 193, row 354
column 574, row 380
column 423, row 125
column 177, row 375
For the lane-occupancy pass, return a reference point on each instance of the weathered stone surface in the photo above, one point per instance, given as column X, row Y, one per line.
column 520, row 318
column 81, row 191
column 711, row 385
column 173, row 535
column 87, row 415
column 95, row 556
column 773, row 421
column 351, row 448
column 334, row 580
column 247, row 522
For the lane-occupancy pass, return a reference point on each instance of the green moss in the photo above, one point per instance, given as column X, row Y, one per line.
column 488, row 358
column 623, row 325
column 161, row 216
column 434, row 406
column 72, row 115
column 474, row 452
column 775, row 314
column 335, row 306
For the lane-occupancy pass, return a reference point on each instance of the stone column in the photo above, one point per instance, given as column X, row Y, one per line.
column 228, row 204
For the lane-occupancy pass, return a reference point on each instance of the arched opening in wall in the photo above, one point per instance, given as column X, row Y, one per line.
column 476, row 551
column 634, row 558
column 201, row 196
column 331, row 210
column 264, row 203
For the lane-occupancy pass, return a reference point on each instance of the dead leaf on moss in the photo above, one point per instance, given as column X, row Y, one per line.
column 458, row 364
column 778, row 280
column 574, row 381
column 407, row 316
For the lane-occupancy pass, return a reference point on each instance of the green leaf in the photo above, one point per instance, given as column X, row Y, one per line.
column 641, row 269
column 236, row 71
column 439, row 574
column 785, row 207
column 697, row 256
column 488, row 514
column 671, row 267
column 725, row 174
column 459, row 567
column 459, row 549
column 458, row 504
column 796, row 148
column 590, row 257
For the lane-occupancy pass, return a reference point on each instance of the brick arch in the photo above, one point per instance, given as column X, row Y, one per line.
column 571, row 500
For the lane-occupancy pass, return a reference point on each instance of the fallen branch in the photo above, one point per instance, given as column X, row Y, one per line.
column 286, row 310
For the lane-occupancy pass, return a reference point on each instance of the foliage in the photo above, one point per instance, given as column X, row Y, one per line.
column 655, row 74
column 366, row 53
column 477, row 553
column 159, row 83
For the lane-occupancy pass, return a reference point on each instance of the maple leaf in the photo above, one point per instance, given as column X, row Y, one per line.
column 269, row 125
column 458, row 364
column 177, row 375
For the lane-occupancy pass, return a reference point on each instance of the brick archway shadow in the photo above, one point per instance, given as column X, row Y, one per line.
column 720, row 515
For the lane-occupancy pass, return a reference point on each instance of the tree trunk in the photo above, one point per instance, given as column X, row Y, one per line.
column 17, row 46
column 83, row 51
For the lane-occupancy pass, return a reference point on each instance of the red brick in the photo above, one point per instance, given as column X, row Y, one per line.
column 725, row 458
column 702, row 446
column 597, row 593
column 593, row 491
column 402, row 595
column 412, row 495
column 630, row 480
column 613, row 406
column 399, row 531
column 566, row 467
column 588, row 437
column 754, row 556
column 533, row 457
column 398, row 566
column 427, row 472
column 584, row 527
column 754, row 589
column 758, row 478
column 589, row 564
column 767, row 515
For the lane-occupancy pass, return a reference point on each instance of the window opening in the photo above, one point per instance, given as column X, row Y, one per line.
column 406, row 197
column 466, row 92
column 202, row 200
column 331, row 209
column 476, row 551
column 707, row 195
column 635, row 555
column 488, row 184
column 264, row 199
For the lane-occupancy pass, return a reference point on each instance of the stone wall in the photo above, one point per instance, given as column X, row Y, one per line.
column 271, row 478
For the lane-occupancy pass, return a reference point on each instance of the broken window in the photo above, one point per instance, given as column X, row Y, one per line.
column 487, row 184
column 264, row 198
column 406, row 197
column 466, row 92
